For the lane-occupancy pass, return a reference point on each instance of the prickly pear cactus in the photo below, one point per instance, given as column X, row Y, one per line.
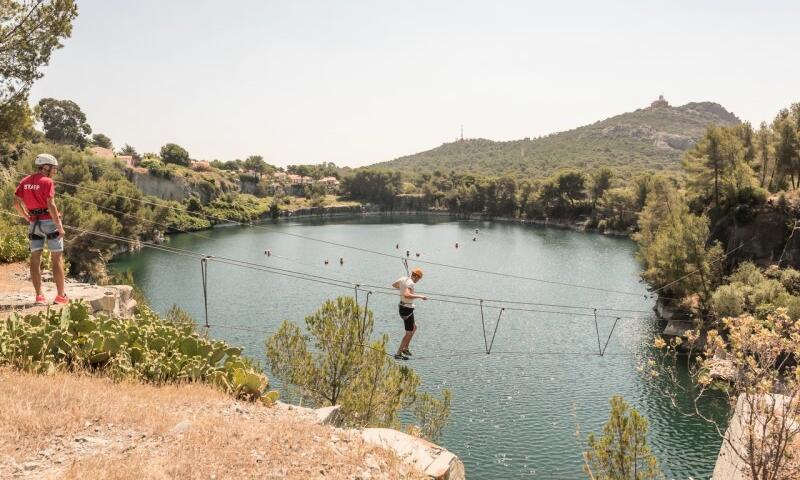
column 143, row 348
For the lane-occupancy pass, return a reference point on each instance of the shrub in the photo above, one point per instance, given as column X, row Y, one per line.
column 13, row 243
column 729, row 300
column 141, row 348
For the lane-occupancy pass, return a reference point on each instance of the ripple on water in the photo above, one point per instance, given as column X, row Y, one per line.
column 513, row 416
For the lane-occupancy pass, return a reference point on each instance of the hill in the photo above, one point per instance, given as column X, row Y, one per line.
column 649, row 138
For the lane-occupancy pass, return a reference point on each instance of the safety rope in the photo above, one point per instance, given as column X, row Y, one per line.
column 352, row 247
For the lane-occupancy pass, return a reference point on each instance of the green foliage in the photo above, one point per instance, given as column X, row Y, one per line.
column 274, row 209
column 102, row 141
column 372, row 185
column 13, row 241
column 29, row 32
column 324, row 169
column 63, row 122
column 749, row 290
column 238, row 207
column 173, row 153
column 338, row 365
column 621, row 453
column 432, row 414
column 672, row 246
column 16, row 123
column 156, row 168
column 141, row 348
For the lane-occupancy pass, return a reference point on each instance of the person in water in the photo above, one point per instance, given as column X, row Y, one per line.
column 406, row 285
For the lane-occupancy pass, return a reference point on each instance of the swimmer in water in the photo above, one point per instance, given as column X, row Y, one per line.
column 456, row 244
column 268, row 253
column 341, row 260
column 326, row 261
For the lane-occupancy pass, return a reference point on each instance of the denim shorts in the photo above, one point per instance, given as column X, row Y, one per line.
column 45, row 227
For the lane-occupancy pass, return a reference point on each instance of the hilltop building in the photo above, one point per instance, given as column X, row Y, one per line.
column 661, row 102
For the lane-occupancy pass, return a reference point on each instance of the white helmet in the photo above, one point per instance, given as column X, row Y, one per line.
column 46, row 159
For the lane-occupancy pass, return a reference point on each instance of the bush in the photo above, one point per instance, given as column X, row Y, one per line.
column 729, row 300
column 142, row 348
column 13, row 243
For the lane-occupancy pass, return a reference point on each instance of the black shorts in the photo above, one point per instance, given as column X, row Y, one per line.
column 407, row 314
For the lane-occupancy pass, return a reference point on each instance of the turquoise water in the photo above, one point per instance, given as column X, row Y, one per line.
column 513, row 415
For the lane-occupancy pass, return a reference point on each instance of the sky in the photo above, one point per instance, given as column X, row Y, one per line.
column 357, row 82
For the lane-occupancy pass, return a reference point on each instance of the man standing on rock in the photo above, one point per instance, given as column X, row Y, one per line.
column 406, row 287
column 35, row 201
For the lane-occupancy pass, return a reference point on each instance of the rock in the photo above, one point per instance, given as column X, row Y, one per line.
column 329, row 415
column 28, row 466
column 425, row 456
column 182, row 427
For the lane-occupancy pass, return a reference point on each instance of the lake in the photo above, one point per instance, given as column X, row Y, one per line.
column 514, row 415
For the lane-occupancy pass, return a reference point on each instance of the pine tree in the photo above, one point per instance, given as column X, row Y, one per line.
column 621, row 453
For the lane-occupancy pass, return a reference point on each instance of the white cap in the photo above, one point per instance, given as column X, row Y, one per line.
column 46, row 159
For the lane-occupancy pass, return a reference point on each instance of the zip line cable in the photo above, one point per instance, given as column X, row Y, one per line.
column 498, row 301
column 317, row 278
column 361, row 249
column 204, row 259
column 137, row 217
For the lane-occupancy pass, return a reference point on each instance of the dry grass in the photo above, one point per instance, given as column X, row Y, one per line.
column 80, row 427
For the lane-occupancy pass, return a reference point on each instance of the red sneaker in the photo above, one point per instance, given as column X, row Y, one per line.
column 61, row 300
column 40, row 300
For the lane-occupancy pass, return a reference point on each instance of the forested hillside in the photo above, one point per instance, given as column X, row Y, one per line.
column 652, row 138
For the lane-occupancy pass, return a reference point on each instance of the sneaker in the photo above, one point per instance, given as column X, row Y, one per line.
column 40, row 300
column 61, row 300
column 398, row 356
column 407, row 352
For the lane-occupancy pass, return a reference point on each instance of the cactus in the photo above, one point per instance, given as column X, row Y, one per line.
column 143, row 348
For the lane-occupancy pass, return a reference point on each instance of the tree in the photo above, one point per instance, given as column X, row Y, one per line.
column 601, row 181
column 764, row 153
column 749, row 366
column 102, row 141
column 129, row 150
column 255, row 163
column 63, row 121
column 787, row 148
column 16, row 122
column 571, row 186
column 673, row 245
column 29, row 32
column 338, row 365
column 174, row 153
column 621, row 453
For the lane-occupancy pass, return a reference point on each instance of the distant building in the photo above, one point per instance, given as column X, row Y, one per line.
column 331, row 184
column 661, row 102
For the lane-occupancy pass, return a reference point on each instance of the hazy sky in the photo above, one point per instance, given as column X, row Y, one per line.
column 361, row 82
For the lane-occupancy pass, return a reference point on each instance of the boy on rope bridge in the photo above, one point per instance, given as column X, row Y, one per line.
column 34, row 200
column 406, row 287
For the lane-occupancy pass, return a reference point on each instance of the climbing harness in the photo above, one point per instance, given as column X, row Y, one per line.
column 37, row 224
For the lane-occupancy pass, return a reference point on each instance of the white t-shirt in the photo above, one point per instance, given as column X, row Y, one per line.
column 403, row 283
